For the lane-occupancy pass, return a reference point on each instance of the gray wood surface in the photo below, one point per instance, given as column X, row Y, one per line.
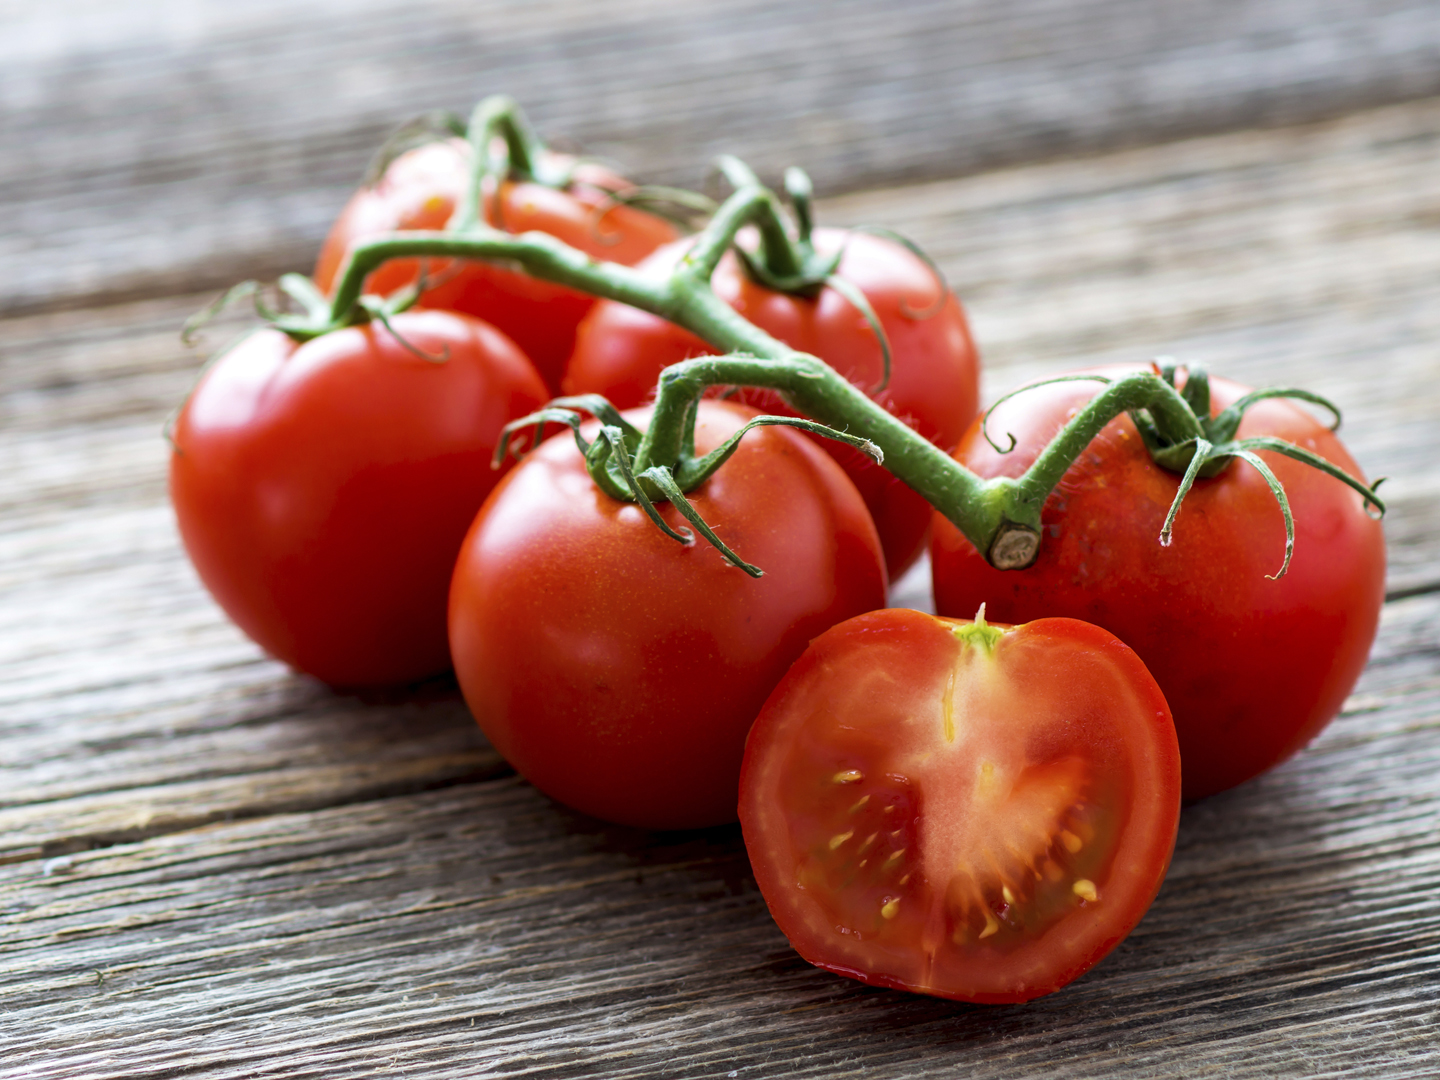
column 156, row 145
column 210, row 867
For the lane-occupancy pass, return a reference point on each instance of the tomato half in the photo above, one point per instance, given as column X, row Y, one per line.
column 419, row 191
column 977, row 812
column 322, row 490
column 1253, row 668
column 934, row 378
column 619, row 670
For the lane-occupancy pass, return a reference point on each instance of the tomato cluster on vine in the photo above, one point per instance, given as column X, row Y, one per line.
column 673, row 615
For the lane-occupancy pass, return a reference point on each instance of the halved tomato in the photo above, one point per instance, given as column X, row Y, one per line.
column 974, row 811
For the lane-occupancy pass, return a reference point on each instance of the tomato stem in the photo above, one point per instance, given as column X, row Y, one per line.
column 802, row 196
column 523, row 156
column 991, row 513
column 1001, row 517
column 1180, row 435
column 1143, row 390
column 782, row 257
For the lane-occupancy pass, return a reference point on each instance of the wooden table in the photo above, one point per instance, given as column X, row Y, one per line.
column 210, row 867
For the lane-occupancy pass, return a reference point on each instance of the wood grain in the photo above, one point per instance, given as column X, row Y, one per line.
column 481, row 929
column 210, row 867
column 154, row 146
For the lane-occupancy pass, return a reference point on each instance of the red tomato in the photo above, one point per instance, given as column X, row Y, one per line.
column 1253, row 668
column 975, row 812
column 419, row 191
column 619, row 670
column 934, row 379
column 322, row 490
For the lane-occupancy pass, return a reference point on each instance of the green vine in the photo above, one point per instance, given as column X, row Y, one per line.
column 1001, row 516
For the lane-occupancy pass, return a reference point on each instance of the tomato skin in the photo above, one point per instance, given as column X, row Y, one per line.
column 937, row 817
column 420, row 190
column 1253, row 668
column 322, row 490
column 934, row 378
column 619, row 670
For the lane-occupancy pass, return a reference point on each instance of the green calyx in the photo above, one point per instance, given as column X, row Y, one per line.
column 1182, row 437
column 314, row 317
column 789, row 264
column 784, row 262
column 618, row 459
column 1212, row 451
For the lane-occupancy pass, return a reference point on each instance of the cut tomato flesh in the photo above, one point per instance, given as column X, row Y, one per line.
column 978, row 815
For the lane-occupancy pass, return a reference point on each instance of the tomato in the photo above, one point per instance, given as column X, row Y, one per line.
column 322, row 490
column 1252, row 667
column 934, row 379
column 978, row 812
column 619, row 670
column 419, row 191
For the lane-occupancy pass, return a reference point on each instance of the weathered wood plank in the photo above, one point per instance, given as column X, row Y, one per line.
column 1300, row 911
column 358, row 922
column 152, row 147
column 89, row 565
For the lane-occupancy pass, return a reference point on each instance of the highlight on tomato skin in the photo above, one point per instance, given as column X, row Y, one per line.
column 322, row 489
column 975, row 811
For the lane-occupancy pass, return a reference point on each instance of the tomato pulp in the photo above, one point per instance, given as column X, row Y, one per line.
column 322, row 490
column 420, row 190
column 977, row 812
column 934, row 377
column 619, row 670
column 1253, row 668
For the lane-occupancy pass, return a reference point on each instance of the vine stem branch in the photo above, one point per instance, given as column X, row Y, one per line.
column 1001, row 517
column 496, row 117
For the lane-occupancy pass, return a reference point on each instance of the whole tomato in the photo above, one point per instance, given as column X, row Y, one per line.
column 975, row 811
column 619, row 670
column 419, row 191
column 322, row 490
column 1253, row 668
column 934, row 377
